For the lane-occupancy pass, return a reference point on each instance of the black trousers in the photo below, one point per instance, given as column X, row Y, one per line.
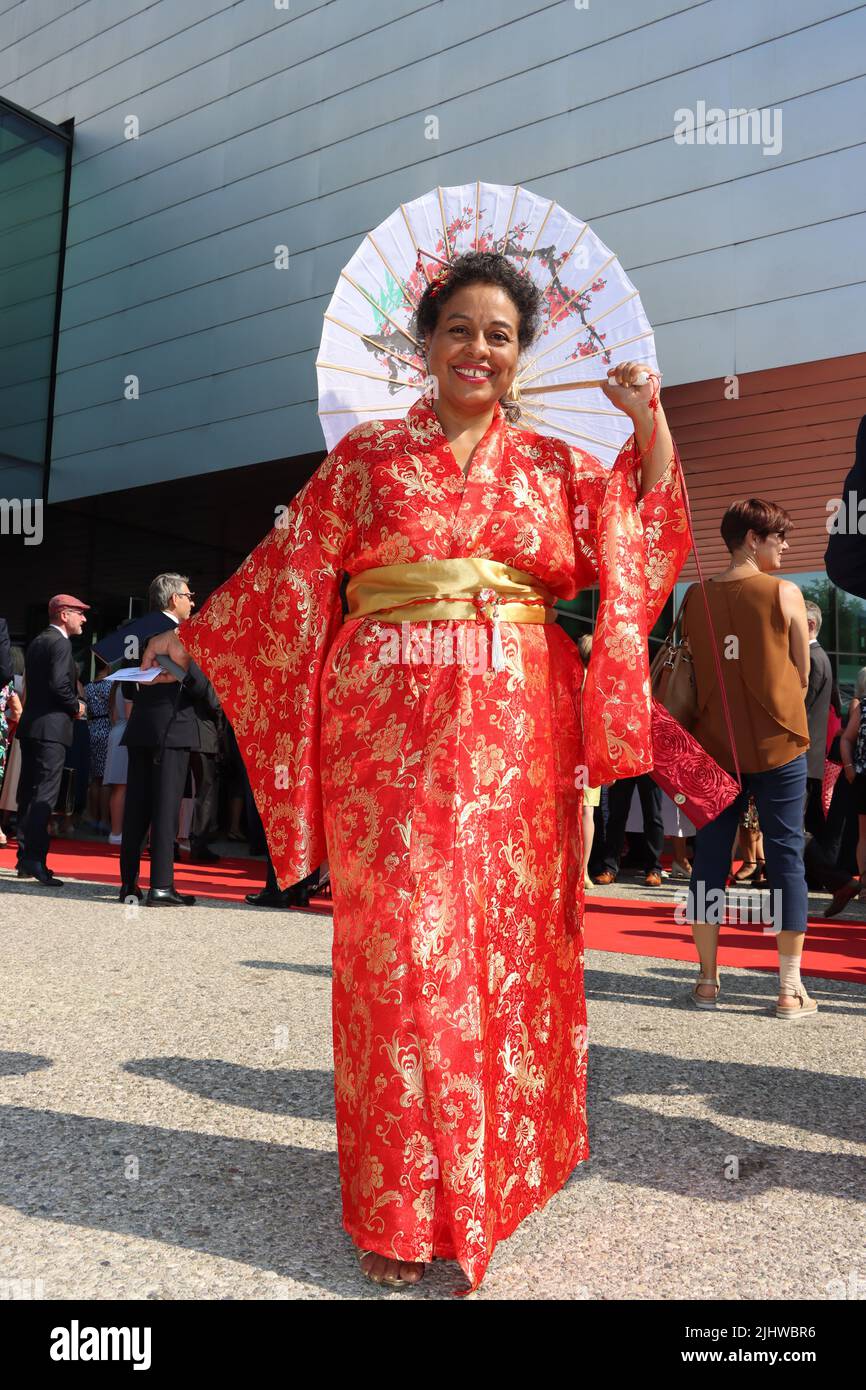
column 813, row 811
column 824, row 857
column 42, row 766
column 204, row 770
column 154, row 791
column 619, row 797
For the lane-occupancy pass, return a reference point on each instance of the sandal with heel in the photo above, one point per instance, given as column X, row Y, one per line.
column 698, row 1001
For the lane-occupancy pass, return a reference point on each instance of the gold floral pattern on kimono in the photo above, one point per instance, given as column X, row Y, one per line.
column 443, row 794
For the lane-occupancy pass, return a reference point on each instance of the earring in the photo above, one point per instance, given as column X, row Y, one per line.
column 510, row 403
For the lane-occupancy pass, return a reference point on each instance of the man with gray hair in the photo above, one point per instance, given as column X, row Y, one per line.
column 163, row 728
column 817, row 697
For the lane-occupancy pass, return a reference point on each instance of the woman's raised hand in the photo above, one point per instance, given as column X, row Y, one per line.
column 165, row 644
column 622, row 391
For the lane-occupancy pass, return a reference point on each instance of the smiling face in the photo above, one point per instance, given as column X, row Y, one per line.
column 473, row 351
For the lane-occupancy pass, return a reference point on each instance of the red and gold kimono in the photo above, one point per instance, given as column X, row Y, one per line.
column 447, row 801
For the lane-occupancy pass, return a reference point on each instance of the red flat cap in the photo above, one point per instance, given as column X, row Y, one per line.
column 65, row 601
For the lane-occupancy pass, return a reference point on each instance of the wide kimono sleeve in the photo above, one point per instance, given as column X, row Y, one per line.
column 262, row 639
column 633, row 548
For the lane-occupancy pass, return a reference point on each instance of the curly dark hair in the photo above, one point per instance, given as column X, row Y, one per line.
column 490, row 268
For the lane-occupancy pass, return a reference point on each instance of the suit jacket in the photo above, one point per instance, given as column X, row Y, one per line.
column 207, row 710
column 156, row 716
column 5, row 654
column 52, row 689
column 817, row 697
column 845, row 556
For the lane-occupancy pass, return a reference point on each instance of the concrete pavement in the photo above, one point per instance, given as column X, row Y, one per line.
column 168, row 1125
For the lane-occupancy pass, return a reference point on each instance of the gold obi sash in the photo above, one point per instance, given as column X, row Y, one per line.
column 468, row 587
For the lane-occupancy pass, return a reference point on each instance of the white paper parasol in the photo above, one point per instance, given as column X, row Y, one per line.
column 370, row 366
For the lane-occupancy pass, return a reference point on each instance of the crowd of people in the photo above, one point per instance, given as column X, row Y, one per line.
column 83, row 743
column 122, row 761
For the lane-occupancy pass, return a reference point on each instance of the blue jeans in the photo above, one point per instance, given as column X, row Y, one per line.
column 779, row 801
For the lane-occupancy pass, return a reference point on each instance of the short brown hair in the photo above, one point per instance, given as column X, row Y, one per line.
column 753, row 515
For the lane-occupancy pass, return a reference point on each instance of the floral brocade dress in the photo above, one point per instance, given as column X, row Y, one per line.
column 446, row 801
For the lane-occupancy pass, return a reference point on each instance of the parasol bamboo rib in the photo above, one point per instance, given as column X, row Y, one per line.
column 416, row 245
column 372, row 376
column 578, row 409
column 406, row 295
column 444, row 228
column 379, row 310
column 558, row 366
column 591, row 323
column 551, row 205
column 567, row 255
column 591, row 439
column 508, row 220
column 380, row 347
column 576, row 386
column 577, row 293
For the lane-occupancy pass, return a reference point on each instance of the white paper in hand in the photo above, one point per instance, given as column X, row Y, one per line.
column 135, row 673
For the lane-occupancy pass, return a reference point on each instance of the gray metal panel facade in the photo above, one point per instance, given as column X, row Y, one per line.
column 306, row 126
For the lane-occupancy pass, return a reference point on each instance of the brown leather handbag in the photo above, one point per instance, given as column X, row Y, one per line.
column 672, row 675
column 683, row 769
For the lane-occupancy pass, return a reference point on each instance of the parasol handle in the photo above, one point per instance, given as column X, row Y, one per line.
column 576, row 385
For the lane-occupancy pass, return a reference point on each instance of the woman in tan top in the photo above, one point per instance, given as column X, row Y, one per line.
column 762, row 638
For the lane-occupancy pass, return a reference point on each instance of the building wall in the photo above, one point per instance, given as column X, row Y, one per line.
column 787, row 436
column 307, row 126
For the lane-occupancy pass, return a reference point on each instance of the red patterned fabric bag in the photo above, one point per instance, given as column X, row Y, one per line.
column 686, row 772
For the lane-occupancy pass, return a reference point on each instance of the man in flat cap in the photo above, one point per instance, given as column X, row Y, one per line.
column 45, row 731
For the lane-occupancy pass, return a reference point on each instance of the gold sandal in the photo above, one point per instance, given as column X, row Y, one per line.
column 805, row 1007
column 698, row 1001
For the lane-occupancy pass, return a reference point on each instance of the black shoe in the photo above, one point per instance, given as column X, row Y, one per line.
column 129, row 890
column 268, row 898
column 168, row 897
column 34, row 868
column 203, row 855
column 842, row 897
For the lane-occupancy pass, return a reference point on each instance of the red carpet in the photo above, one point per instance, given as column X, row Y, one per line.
column 94, row 860
column 835, row 950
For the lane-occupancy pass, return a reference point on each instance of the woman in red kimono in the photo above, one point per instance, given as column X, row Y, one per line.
column 442, row 776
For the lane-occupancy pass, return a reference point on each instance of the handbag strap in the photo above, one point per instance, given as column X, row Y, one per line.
column 679, row 615
column 710, row 628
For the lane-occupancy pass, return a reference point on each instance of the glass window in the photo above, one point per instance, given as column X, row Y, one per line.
column 34, row 172
column 851, row 621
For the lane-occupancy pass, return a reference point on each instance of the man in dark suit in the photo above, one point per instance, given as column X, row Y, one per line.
column 845, row 556
column 203, row 762
column 817, row 697
column 164, row 727
column 45, row 731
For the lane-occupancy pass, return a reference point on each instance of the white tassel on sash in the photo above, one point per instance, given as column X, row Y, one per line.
column 497, row 652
